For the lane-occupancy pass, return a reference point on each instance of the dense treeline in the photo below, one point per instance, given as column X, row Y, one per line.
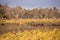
column 19, row 12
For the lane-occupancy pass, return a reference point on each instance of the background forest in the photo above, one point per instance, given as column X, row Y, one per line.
column 7, row 12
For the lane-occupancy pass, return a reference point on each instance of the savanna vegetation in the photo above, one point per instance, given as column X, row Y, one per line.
column 37, row 34
column 19, row 12
column 18, row 23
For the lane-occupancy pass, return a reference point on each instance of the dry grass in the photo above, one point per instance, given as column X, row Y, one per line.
column 37, row 34
column 30, row 20
column 33, row 34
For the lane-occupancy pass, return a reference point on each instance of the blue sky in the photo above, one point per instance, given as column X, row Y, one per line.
column 32, row 3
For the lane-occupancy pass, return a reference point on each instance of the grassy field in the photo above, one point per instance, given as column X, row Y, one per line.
column 43, row 33
column 30, row 20
column 35, row 34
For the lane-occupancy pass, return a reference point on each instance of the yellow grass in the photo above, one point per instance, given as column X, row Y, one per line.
column 33, row 35
column 30, row 20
